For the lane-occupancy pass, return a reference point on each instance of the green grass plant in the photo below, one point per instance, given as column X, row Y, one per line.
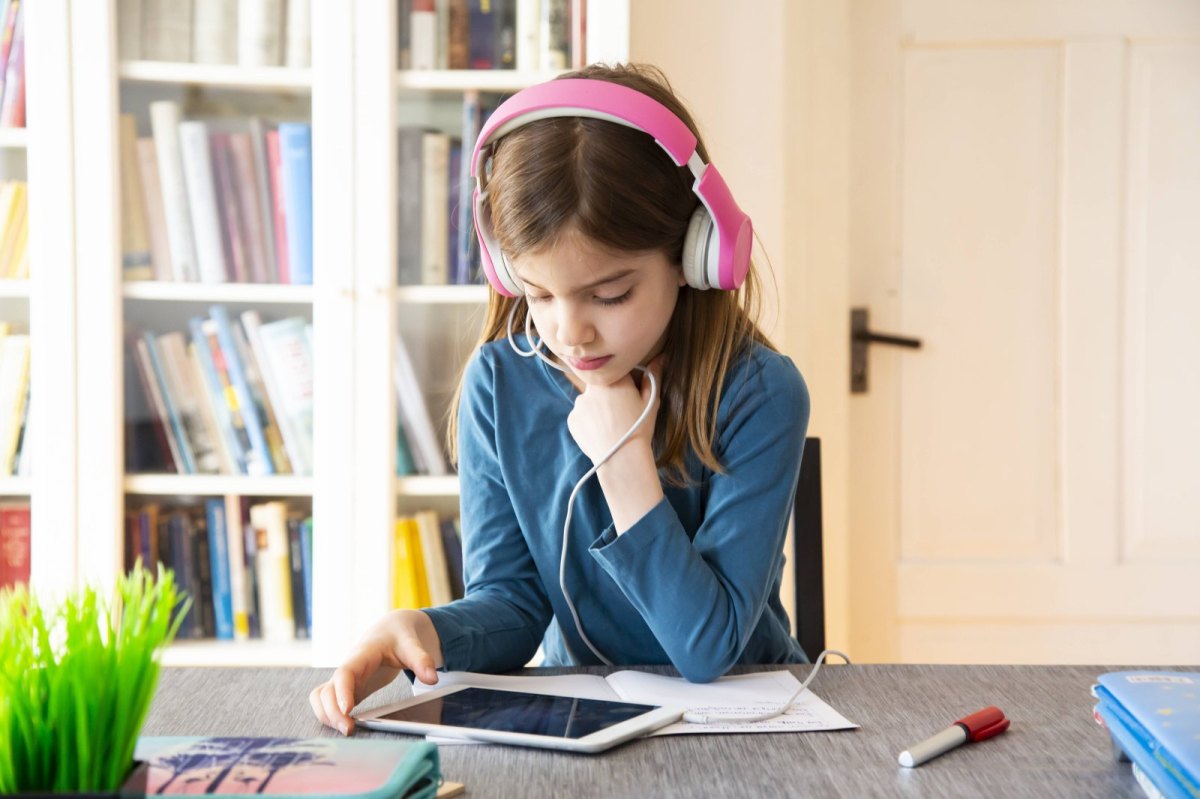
column 76, row 681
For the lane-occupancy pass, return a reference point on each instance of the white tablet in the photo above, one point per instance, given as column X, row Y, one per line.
column 520, row 718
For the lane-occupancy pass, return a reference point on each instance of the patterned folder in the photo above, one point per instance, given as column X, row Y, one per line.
column 1154, row 719
column 295, row 767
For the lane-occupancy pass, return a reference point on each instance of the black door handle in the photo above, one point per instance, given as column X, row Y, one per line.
column 860, row 337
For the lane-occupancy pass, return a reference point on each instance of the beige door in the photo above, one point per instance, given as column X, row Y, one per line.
column 1025, row 199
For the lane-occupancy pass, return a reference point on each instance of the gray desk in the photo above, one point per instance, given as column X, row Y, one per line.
column 1053, row 748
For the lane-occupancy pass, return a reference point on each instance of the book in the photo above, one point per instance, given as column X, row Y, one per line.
column 173, row 462
column 261, row 462
column 212, row 23
column 261, row 185
column 167, row 30
column 263, row 405
column 285, row 363
column 437, row 576
column 186, row 396
column 1154, row 718
column 260, row 33
column 418, row 425
column 136, row 262
column 197, row 162
column 218, row 551
column 233, row 236
column 347, row 767
column 164, row 125
column 170, row 410
column 152, row 199
column 14, row 545
column 409, row 588
column 297, row 51
column 295, row 159
column 239, row 586
column 273, row 570
column 300, row 606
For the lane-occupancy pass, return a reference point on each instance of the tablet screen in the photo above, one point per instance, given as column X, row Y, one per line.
column 510, row 711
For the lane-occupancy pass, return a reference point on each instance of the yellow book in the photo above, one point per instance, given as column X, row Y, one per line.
column 412, row 531
column 19, row 267
column 405, row 591
column 10, row 211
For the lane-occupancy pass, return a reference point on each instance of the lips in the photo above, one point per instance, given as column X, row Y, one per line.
column 588, row 364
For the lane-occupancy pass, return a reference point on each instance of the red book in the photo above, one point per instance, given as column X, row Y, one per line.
column 14, row 545
column 275, row 168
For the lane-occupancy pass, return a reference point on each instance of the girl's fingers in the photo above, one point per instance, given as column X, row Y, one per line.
column 314, row 700
column 414, row 656
column 340, row 720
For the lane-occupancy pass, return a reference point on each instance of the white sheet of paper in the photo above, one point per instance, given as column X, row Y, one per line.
column 735, row 695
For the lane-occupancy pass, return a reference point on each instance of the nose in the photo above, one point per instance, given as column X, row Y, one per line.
column 574, row 327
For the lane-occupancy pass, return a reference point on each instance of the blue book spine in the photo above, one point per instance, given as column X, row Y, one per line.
column 261, row 463
column 465, row 231
column 185, row 574
column 1139, row 746
column 306, row 559
column 295, row 158
column 218, row 550
column 212, row 384
column 481, row 36
column 185, row 449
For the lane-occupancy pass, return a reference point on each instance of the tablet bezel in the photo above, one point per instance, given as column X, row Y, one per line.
column 597, row 741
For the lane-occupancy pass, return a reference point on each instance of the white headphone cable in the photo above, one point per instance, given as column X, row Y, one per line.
column 562, row 563
column 694, row 717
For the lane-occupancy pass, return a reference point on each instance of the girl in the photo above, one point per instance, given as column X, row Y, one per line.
column 674, row 554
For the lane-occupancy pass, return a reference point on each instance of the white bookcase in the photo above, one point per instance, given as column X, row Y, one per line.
column 358, row 98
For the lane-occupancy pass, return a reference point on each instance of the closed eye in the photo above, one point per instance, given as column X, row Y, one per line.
column 615, row 300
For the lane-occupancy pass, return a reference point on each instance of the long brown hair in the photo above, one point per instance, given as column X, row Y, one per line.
column 616, row 186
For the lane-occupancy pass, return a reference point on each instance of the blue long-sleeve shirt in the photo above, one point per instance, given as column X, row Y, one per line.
column 693, row 583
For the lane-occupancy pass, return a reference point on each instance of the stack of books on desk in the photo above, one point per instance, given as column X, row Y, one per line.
column 1154, row 720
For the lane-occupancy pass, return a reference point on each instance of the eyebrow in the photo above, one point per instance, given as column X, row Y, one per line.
column 610, row 279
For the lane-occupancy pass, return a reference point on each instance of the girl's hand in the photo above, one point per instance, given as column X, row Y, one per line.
column 603, row 414
column 403, row 639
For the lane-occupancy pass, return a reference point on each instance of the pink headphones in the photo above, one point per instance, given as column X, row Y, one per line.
column 716, row 250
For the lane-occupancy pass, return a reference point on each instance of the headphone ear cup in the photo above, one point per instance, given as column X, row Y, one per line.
column 508, row 275
column 695, row 248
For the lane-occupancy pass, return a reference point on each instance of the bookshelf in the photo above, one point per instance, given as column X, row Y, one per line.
column 355, row 98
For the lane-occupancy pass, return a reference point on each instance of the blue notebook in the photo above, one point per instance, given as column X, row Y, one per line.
column 293, row 767
column 1154, row 717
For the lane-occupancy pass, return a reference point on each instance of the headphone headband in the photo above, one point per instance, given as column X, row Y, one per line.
column 717, row 245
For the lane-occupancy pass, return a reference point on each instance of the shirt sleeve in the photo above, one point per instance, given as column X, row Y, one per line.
column 498, row 624
column 703, row 596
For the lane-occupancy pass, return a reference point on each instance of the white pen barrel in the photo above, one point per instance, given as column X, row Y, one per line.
column 930, row 748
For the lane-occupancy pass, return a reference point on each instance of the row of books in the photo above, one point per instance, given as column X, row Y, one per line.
column 436, row 242
column 14, row 229
column 12, row 64
column 427, row 564
column 252, row 33
column 229, row 397
column 527, row 35
column 247, row 567
column 14, row 545
column 216, row 202
column 14, row 401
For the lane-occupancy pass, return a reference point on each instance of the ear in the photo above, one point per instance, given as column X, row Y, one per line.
column 680, row 278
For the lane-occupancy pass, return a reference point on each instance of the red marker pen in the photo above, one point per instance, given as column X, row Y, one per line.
column 978, row 726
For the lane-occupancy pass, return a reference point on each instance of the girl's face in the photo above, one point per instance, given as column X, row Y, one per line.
column 601, row 313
